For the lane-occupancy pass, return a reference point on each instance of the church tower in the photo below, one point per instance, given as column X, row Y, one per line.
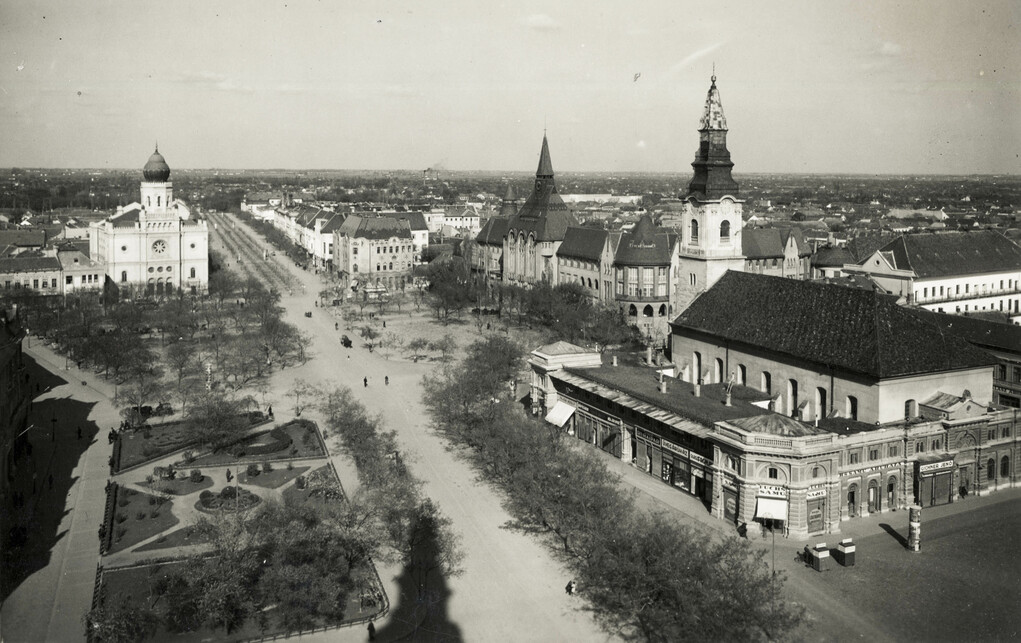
column 711, row 233
column 157, row 191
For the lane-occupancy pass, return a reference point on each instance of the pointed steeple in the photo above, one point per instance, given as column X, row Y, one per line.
column 544, row 203
column 545, row 164
column 712, row 163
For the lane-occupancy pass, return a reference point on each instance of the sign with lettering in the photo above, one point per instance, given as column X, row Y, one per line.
column 648, row 437
column 772, row 491
column 676, row 448
column 699, row 459
column 815, row 493
column 698, row 473
column 936, row 466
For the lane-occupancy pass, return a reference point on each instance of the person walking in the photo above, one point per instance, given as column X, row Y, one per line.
column 571, row 586
column 365, row 381
column 372, row 631
column 386, row 380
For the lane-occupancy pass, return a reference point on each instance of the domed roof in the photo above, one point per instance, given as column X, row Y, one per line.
column 156, row 168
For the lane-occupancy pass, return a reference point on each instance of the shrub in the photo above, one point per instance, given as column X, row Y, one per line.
column 189, row 456
column 205, row 495
column 196, row 476
column 140, row 515
column 252, row 470
column 120, row 532
column 121, row 517
column 299, row 482
column 152, row 500
column 154, row 514
column 132, row 492
column 123, row 502
column 267, row 467
column 171, row 473
column 290, row 466
column 149, row 479
column 229, row 493
column 146, row 433
column 294, row 450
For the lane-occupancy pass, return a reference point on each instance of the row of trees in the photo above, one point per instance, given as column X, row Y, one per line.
column 647, row 577
column 566, row 310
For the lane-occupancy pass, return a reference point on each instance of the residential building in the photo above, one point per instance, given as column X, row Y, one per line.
column 15, row 400
column 419, row 229
column 586, row 258
column 40, row 273
column 374, row 251
column 485, row 255
column 646, row 258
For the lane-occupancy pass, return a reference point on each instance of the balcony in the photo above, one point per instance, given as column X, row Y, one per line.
column 966, row 296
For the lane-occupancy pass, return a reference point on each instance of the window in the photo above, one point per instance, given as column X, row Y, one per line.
column 920, row 447
column 1005, row 467
column 694, row 231
column 1005, row 432
column 941, row 291
column 725, row 231
column 45, row 285
column 354, row 251
column 354, row 268
column 767, row 383
column 991, row 435
column 957, row 289
column 873, row 454
column 1017, row 373
column 692, row 279
column 936, row 444
column 815, row 472
column 774, row 474
column 124, row 275
column 853, row 458
column 852, row 407
column 69, row 280
column 191, row 273
column 991, row 469
column 35, row 283
column 925, row 292
column 1001, row 371
column 894, row 450
column 742, row 375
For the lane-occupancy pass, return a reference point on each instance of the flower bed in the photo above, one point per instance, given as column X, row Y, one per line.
column 229, row 499
column 272, row 479
column 295, row 439
column 138, row 516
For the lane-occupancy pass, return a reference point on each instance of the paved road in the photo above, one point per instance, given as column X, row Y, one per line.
column 513, row 588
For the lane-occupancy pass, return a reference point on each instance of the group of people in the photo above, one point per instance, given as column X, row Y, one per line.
column 386, row 380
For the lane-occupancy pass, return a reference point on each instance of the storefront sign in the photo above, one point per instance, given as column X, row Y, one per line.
column 936, row 466
column 816, row 493
column 699, row 459
column 648, row 437
column 772, row 491
column 729, row 482
column 698, row 473
column 676, row 448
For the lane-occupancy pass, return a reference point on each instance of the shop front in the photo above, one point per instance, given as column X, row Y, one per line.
column 934, row 481
column 675, row 465
column 815, row 510
column 771, row 504
column 730, row 497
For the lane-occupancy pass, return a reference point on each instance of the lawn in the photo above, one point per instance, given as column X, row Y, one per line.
column 183, row 537
column 139, row 516
column 301, row 440
column 163, row 439
column 273, row 479
column 182, row 484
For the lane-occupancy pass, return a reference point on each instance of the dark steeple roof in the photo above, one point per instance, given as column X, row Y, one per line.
column 645, row 245
column 544, row 213
column 712, row 163
column 156, row 168
column 850, row 329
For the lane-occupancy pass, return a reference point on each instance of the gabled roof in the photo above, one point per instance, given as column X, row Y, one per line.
column 22, row 263
column 804, row 249
column 955, row 253
column 981, row 332
column 375, row 227
column 583, row 243
column 126, row 219
column 645, row 245
column 850, row 329
column 414, row 218
column 831, row 257
column 22, row 238
column 544, row 214
column 761, row 243
column 493, row 231
column 864, row 246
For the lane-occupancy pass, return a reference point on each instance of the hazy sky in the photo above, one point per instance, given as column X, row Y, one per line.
column 870, row 87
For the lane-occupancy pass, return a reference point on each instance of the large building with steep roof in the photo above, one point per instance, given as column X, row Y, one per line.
column 586, row 258
column 643, row 267
column 374, row 251
column 535, row 233
column 955, row 272
column 155, row 244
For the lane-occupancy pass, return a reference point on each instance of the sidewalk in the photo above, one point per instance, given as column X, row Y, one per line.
column 51, row 603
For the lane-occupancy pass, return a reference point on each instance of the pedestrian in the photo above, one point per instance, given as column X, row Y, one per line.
column 571, row 585
column 336, row 325
column 230, row 476
column 384, row 323
column 365, row 381
column 386, row 380
column 269, row 411
column 372, row 631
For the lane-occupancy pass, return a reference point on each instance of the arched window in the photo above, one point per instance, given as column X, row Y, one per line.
column 662, row 310
column 910, row 409
column 718, row 370
column 725, row 231
column 820, row 403
column 1005, row 467
column 694, row 231
column 851, row 407
column 792, row 397
column 696, row 365
column 354, row 268
column 742, row 375
column 191, row 273
column 891, row 493
column 124, row 276
column 647, row 311
column 991, row 469
column 767, row 383
column 632, row 311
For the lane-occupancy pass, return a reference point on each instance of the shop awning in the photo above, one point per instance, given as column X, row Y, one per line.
column 560, row 413
column 772, row 508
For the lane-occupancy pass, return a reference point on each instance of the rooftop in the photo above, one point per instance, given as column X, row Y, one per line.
column 954, row 253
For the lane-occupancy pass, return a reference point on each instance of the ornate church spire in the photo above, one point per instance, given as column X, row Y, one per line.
column 712, row 163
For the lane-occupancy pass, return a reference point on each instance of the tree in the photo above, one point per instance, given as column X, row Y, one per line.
column 116, row 620
column 369, row 334
column 607, row 327
column 223, row 284
column 144, row 375
column 218, row 420
column 390, row 342
column 445, row 346
column 182, row 362
column 417, row 346
column 302, row 390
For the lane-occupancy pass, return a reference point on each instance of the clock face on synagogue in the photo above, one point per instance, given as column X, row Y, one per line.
column 159, row 247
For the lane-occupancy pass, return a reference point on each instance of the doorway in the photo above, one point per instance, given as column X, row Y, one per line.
column 852, row 500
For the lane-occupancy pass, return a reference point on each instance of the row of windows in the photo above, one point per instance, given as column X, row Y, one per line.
column 1001, row 373
column 646, row 290
column 1016, row 306
column 124, row 273
column 35, row 283
column 944, row 291
column 724, row 231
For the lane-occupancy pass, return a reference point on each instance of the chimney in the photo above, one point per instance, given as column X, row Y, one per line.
column 648, row 355
column 614, row 360
column 662, row 385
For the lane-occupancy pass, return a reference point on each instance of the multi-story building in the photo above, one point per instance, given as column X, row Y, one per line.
column 80, row 272
column 417, row 225
column 375, row 252
column 954, row 272
column 155, row 242
column 485, row 255
column 40, row 273
column 914, row 424
column 586, row 258
column 14, row 402
column 776, row 252
column 535, row 233
column 645, row 260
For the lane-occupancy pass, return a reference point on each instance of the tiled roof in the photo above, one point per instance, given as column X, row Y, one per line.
column 583, row 243
column 850, row 329
column 415, row 219
column 126, row 219
column 544, row 214
column 22, row 238
column 562, row 348
column 13, row 265
column 493, row 231
column 375, row 228
column 955, row 253
column 645, row 245
column 988, row 334
column 804, row 249
column 761, row 243
column 863, row 246
column 831, row 257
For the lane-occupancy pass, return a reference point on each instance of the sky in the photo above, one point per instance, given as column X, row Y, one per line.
column 917, row 87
